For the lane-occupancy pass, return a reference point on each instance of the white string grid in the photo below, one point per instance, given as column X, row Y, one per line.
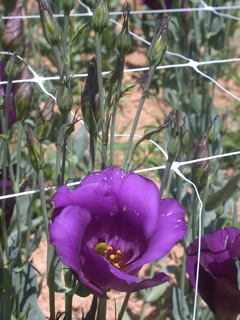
column 190, row 63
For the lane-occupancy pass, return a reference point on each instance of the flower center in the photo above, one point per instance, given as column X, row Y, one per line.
column 116, row 257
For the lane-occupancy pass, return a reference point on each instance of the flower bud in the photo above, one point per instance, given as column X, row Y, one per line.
column 50, row 26
column 64, row 97
column 158, row 46
column 100, row 16
column 12, row 34
column 12, row 67
column 35, row 150
column 212, row 134
column 223, row 124
column 22, row 98
column 45, row 118
column 174, row 147
column 68, row 5
column 185, row 138
column 200, row 169
column 90, row 98
column 124, row 40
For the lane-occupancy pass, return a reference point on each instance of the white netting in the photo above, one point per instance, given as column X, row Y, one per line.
column 190, row 63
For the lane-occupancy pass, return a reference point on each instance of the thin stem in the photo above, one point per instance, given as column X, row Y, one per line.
column 57, row 56
column 102, row 309
column 93, row 143
column 114, row 114
column 98, row 42
column 64, row 147
column 43, row 201
column 165, row 175
column 124, row 306
column 125, row 163
column 194, row 213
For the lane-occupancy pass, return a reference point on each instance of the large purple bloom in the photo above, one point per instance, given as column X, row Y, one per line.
column 218, row 275
column 11, row 114
column 112, row 225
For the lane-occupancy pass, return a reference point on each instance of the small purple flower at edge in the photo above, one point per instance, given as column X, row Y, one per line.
column 11, row 115
column 112, row 225
column 156, row 4
column 218, row 274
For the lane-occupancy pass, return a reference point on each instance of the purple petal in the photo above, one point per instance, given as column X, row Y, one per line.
column 100, row 272
column 220, row 294
column 66, row 234
column 171, row 227
column 138, row 197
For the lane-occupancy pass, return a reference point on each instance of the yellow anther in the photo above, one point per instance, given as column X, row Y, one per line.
column 124, row 208
column 108, row 249
column 116, row 265
column 118, row 252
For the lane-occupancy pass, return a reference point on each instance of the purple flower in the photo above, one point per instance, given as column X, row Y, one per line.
column 156, row 4
column 11, row 114
column 112, row 225
column 218, row 274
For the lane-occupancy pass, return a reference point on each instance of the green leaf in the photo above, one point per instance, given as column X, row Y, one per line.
column 28, row 295
column 214, row 200
column 157, row 292
column 35, row 241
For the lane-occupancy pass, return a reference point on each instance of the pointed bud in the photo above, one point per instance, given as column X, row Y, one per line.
column 45, row 118
column 212, row 134
column 223, row 124
column 50, row 26
column 174, row 147
column 35, row 150
column 185, row 138
column 64, row 97
column 124, row 40
column 200, row 169
column 100, row 16
column 22, row 98
column 68, row 5
column 12, row 67
column 90, row 99
column 12, row 35
column 158, row 46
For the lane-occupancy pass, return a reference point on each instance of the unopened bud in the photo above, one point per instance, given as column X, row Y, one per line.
column 212, row 134
column 45, row 118
column 68, row 5
column 124, row 40
column 12, row 34
column 223, row 124
column 22, row 98
column 64, row 98
column 158, row 46
column 35, row 150
column 90, row 98
column 100, row 16
column 12, row 67
column 200, row 169
column 50, row 26
column 185, row 138
column 174, row 147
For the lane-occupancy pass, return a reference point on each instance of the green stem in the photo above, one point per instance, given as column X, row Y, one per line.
column 102, row 309
column 125, row 163
column 124, row 306
column 144, row 307
column 195, row 215
column 98, row 42
column 93, row 143
column 50, row 248
column 183, row 270
column 64, row 159
column 65, row 46
column 114, row 114
column 165, row 175
column 57, row 56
